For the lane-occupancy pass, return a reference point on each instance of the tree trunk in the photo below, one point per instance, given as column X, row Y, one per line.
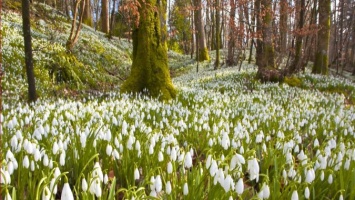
column 105, row 19
column 321, row 59
column 75, row 29
column 283, row 25
column 295, row 66
column 112, row 20
column 200, row 32
column 1, row 75
column 86, row 9
column 231, row 38
column 259, row 44
column 268, row 47
column 150, row 71
column 218, row 37
column 32, row 96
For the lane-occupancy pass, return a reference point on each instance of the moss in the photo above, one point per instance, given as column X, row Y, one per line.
column 149, row 72
column 320, row 64
column 203, row 54
column 293, row 81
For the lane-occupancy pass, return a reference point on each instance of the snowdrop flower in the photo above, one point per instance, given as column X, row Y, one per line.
column 341, row 197
column 186, row 189
column 67, row 194
column 322, row 175
column 53, row 186
column 188, row 160
column 237, row 159
column 108, row 149
column 56, row 172
column 46, row 194
column 62, row 158
column 310, row 175
column 253, row 169
column 158, row 184
column 213, row 168
column 208, row 161
column 7, row 196
column 240, row 186
column 84, row 185
column 136, row 174
column 173, row 154
column 153, row 193
column 116, row 155
column 330, row 179
column 105, row 179
column 95, row 187
column 97, row 173
column 294, row 195
column 152, row 183
column 306, row 193
column 32, row 165
column 160, row 156
column 26, row 162
column 169, row 168
column 5, row 177
column 168, row 187
column 55, row 148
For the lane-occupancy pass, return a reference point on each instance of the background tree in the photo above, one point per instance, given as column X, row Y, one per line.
column 150, row 69
column 321, row 59
column 202, row 51
column 87, row 12
column 75, row 28
column 32, row 96
column 105, row 16
column 283, row 25
column 232, row 32
column 218, row 34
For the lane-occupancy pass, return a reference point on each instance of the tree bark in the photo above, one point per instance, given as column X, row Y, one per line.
column 259, row 44
column 295, row 66
column 75, row 29
column 218, row 37
column 231, row 39
column 149, row 71
column 321, row 59
column 86, row 10
column 105, row 19
column 200, row 32
column 283, row 25
column 32, row 96
column 268, row 46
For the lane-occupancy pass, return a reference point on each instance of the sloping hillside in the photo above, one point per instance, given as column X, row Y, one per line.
column 96, row 62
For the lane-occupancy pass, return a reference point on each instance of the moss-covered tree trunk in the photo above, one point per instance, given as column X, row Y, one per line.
column 200, row 32
column 150, row 71
column 321, row 59
column 231, row 39
column 266, row 66
column 216, row 64
column 259, row 44
column 283, row 25
column 86, row 10
column 296, row 64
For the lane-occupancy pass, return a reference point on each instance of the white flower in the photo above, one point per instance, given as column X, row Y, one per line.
column 213, row 168
column 153, row 193
column 240, row 186
column 237, row 159
column 188, row 160
column 152, row 183
column 55, row 148
column 168, row 187
column 97, row 173
column 4, row 177
column 109, row 150
column 7, row 196
column 169, row 168
column 84, row 185
column 306, row 193
column 310, row 176
column 294, row 195
column 46, row 194
column 26, row 162
column 105, row 179
column 186, row 189
column 56, row 172
column 158, row 184
column 253, row 168
column 266, row 191
column 136, row 174
column 208, row 161
column 53, row 186
column 95, row 187
column 45, row 160
column 173, row 155
column 62, row 158
column 67, row 194
column 341, row 197
column 330, row 179
column 160, row 156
